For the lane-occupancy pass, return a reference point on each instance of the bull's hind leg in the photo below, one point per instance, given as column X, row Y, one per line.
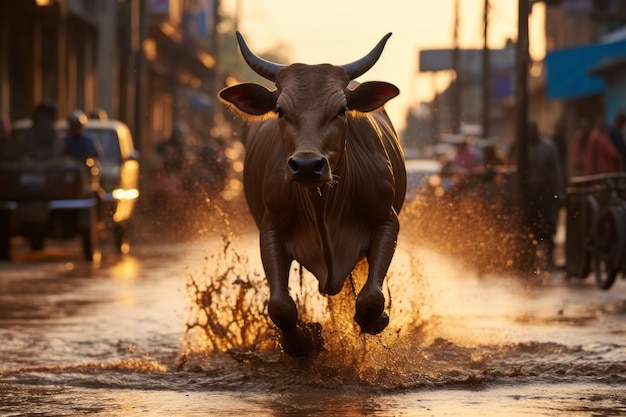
column 296, row 338
column 370, row 303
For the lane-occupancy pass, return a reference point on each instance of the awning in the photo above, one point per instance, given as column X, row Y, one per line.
column 617, row 35
column 608, row 64
column 567, row 70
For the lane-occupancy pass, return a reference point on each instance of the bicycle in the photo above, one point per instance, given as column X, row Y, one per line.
column 606, row 242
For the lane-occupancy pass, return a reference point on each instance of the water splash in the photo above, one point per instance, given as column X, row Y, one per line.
column 479, row 226
column 229, row 314
column 228, row 307
column 450, row 322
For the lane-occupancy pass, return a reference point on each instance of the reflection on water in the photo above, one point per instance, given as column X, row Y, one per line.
column 182, row 330
column 128, row 267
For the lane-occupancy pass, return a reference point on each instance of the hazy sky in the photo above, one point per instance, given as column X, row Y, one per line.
column 340, row 31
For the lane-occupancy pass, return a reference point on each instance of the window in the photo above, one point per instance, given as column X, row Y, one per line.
column 109, row 144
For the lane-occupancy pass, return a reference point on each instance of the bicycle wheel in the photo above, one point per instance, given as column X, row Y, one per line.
column 609, row 246
column 590, row 217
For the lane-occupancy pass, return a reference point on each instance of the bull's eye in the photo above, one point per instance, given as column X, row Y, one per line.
column 342, row 112
column 279, row 112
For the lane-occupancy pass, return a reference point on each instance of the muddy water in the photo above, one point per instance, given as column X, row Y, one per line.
column 179, row 329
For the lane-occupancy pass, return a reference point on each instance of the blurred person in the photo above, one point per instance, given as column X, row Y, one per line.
column 5, row 136
column 172, row 152
column 493, row 188
column 99, row 114
column 213, row 157
column 601, row 156
column 559, row 137
column 41, row 143
column 491, row 161
column 77, row 144
column 465, row 159
column 580, row 141
column 173, row 177
column 616, row 133
column 545, row 189
column 208, row 172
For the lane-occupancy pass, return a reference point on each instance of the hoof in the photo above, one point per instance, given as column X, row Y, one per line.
column 304, row 340
column 283, row 312
column 375, row 326
column 370, row 312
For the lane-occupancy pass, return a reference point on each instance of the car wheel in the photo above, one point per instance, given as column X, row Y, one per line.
column 89, row 236
column 120, row 238
column 36, row 241
column 5, row 236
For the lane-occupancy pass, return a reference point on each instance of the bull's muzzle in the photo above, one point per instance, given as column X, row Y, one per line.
column 309, row 170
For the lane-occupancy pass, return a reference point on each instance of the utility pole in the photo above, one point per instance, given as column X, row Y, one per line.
column 521, row 100
column 521, row 133
column 63, row 96
column 486, row 85
column 456, row 63
column 139, row 75
column 435, row 109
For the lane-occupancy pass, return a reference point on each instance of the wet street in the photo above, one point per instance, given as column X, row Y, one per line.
column 127, row 336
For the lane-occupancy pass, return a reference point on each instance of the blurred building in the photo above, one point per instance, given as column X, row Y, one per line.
column 470, row 95
column 579, row 35
column 179, row 48
column 586, row 42
column 47, row 50
column 582, row 76
column 145, row 62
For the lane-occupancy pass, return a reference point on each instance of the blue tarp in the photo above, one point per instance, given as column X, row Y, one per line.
column 199, row 101
column 567, row 70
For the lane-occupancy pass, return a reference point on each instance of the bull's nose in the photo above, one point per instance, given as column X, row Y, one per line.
column 308, row 169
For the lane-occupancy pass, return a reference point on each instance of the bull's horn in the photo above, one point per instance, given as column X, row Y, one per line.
column 265, row 69
column 357, row 68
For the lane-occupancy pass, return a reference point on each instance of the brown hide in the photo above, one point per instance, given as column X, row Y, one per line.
column 327, row 234
column 324, row 178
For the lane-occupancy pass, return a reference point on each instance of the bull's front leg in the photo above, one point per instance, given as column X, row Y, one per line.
column 276, row 262
column 370, row 303
column 297, row 339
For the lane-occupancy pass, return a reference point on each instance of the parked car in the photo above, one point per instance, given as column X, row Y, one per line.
column 42, row 199
column 119, row 175
column 55, row 198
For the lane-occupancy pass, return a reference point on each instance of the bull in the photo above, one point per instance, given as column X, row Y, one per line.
column 324, row 179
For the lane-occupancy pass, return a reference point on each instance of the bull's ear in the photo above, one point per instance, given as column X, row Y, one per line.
column 250, row 98
column 371, row 95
